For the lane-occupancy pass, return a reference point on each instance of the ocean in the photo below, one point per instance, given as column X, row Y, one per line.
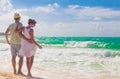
column 81, row 42
column 91, row 57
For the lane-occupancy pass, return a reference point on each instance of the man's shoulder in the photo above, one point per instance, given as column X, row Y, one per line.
column 20, row 24
column 11, row 25
column 14, row 24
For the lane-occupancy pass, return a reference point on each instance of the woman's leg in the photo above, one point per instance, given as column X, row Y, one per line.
column 31, row 61
column 28, row 65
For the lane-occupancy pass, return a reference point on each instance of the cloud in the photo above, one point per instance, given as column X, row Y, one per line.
column 56, row 5
column 78, row 29
column 50, row 8
column 43, row 9
column 5, row 6
column 97, row 18
column 70, row 21
column 92, row 12
column 72, row 7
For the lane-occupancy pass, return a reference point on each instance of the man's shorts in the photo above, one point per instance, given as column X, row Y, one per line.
column 15, row 49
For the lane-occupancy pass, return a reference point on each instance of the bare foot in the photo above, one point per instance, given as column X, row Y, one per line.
column 15, row 72
column 20, row 73
column 29, row 75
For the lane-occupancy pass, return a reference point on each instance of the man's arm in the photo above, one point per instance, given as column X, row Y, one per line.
column 19, row 31
column 22, row 36
column 6, row 36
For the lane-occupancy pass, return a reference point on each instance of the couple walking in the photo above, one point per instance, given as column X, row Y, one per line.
column 22, row 43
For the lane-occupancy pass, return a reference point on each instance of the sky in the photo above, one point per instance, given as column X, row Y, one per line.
column 99, row 18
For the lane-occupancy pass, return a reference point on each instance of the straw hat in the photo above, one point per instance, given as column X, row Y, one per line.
column 16, row 15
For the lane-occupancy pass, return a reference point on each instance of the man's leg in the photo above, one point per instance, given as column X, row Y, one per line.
column 14, row 63
column 13, row 53
column 20, row 65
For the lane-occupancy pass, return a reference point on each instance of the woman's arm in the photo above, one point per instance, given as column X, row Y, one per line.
column 19, row 30
column 32, row 38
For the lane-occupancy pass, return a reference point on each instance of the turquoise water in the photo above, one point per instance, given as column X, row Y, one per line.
column 78, row 42
column 81, row 42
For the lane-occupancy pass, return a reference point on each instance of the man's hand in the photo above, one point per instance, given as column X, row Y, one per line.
column 8, row 42
column 28, row 40
column 6, row 36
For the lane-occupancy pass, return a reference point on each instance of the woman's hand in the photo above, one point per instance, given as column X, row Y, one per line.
column 29, row 40
column 40, row 47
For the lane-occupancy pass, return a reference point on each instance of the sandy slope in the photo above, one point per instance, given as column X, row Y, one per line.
column 8, row 75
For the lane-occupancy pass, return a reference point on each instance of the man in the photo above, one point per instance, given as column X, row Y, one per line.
column 15, row 42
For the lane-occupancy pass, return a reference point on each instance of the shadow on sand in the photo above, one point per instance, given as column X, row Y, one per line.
column 34, row 78
column 31, row 77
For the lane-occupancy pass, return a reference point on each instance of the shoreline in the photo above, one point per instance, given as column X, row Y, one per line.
column 2, row 34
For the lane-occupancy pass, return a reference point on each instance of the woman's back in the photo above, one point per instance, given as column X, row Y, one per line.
column 26, row 32
column 27, row 49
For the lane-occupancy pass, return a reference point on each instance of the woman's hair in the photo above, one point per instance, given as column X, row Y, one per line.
column 31, row 21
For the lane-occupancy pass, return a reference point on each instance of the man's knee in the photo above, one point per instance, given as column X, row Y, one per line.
column 21, row 59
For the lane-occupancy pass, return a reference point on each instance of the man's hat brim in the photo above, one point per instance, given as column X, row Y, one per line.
column 15, row 17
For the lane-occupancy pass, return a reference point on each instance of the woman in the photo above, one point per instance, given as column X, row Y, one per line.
column 28, row 49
